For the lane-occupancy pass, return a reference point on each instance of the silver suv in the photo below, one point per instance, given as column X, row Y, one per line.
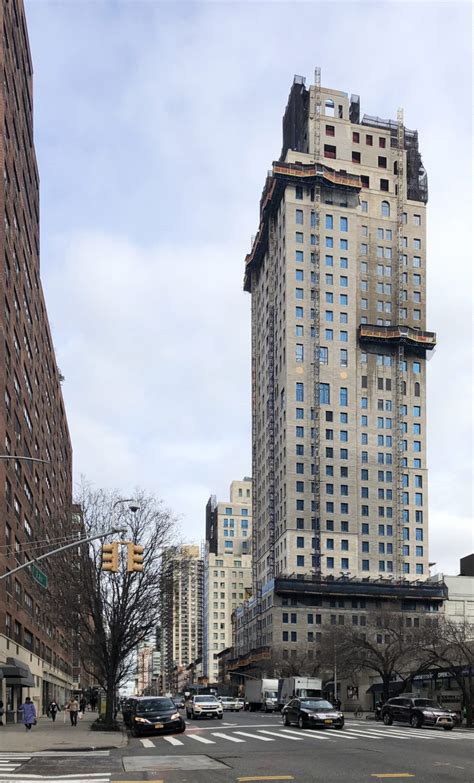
column 204, row 707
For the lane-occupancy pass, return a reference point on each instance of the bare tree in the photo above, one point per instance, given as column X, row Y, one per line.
column 111, row 613
column 384, row 646
column 299, row 665
column 451, row 647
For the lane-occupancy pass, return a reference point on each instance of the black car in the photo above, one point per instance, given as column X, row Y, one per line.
column 156, row 715
column 312, row 713
column 417, row 712
column 179, row 701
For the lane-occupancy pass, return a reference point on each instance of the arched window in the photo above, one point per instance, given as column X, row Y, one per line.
column 329, row 109
column 385, row 207
column 417, row 389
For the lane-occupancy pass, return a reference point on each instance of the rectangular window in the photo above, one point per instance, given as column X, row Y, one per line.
column 324, row 394
column 329, row 221
column 299, row 293
column 329, row 151
column 343, row 224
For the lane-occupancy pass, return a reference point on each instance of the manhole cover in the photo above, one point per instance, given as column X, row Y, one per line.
column 154, row 764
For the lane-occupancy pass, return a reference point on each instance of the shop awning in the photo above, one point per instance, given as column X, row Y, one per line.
column 16, row 672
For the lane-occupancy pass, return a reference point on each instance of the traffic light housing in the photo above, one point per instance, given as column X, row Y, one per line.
column 134, row 557
column 110, row 557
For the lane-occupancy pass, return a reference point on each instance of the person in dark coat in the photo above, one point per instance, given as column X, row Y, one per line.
column 53, row 709
column 29, row 713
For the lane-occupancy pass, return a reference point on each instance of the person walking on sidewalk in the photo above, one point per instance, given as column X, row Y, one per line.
column 1, row 713
column 73, row 707
column 53, row 709
column 83, row 704
column 29, row 713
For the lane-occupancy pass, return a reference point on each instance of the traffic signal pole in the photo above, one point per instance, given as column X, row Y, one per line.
column 63, row 549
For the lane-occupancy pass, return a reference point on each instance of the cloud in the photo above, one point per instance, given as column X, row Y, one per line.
column 155, row 125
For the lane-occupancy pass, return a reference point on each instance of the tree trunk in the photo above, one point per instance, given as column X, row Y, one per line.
column 386, row 688
column 110, row 701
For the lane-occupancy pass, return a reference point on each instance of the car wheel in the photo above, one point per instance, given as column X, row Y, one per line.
column 415, row 721
column 180, row 731
column 301, row 722
column 339, row 727
column 285, row 720
column 448, row 728
column 387, row 719
column 219, row 717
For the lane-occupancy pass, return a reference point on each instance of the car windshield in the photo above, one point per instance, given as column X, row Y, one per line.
column 426, row 703
column 316, row 704
column 206, row 699
column 153, row 705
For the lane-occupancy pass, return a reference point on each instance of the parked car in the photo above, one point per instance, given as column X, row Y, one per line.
column 312, row 713
column 204, row 707
column 229, row 703
column 179, row 701
column 417, row 712
column 155, row 715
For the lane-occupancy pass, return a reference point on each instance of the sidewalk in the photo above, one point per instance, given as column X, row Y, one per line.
column 60, row 735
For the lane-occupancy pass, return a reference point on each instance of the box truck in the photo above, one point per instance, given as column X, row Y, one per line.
column 261, row 694
column 298, row 688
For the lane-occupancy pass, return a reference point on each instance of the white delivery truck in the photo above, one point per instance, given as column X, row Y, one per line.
column 261, row 694
column 298, row 688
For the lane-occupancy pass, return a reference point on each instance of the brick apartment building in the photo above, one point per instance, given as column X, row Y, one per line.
column 35, row 656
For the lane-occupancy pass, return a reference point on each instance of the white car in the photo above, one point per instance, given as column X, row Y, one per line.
column 204, row 707
column 229, row 703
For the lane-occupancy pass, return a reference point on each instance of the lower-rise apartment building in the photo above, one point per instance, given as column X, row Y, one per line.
column 227, row 569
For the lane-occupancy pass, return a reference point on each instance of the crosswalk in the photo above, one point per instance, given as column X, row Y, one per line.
column 9, row 762
column 351, row 733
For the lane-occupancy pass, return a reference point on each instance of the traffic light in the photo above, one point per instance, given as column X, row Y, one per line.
column 135, row 557
column 110, row 557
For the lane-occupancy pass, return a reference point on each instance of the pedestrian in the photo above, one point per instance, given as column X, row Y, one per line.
column 29, row 713
column 73, row 708
column 83, row 704
column 53, row 709
column 1, row 713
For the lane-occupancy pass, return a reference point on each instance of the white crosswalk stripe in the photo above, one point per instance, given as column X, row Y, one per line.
column 201, row 739
column 306, row 734
column 173, row 741
column 227, row 737
column 278, row 734
column 254, row 736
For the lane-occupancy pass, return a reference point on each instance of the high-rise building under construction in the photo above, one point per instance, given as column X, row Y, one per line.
column 337, row 276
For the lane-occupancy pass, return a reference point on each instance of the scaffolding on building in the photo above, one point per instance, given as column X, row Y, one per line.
column 316, row 331
column 400, row 356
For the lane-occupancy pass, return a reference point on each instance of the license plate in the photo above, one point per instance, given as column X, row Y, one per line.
column 158, row 725
column 444, row 720
column 328, row 721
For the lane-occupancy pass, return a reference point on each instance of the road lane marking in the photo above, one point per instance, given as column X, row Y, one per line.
column 278, row 734
column 173, row 741
column 307, row 734
column 392, row 775
column 147, row 743
column 254, row 736
column 266, row 777
column 227, row 736
column 202, row 739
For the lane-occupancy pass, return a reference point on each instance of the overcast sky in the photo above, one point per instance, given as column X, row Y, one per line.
column 155, row 124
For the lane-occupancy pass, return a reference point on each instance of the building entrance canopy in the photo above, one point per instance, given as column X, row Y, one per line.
column 16, row 672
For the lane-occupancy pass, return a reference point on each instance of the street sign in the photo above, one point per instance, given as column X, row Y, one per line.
column 39, row 576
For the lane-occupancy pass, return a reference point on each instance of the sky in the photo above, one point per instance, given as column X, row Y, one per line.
column 155, row 124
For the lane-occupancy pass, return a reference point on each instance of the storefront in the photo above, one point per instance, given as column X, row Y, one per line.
column 18, row 679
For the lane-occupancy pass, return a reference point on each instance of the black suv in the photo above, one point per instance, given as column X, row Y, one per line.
column 417, row 712
column 154, row 714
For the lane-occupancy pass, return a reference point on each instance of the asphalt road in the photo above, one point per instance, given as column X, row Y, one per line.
column 253, row 747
